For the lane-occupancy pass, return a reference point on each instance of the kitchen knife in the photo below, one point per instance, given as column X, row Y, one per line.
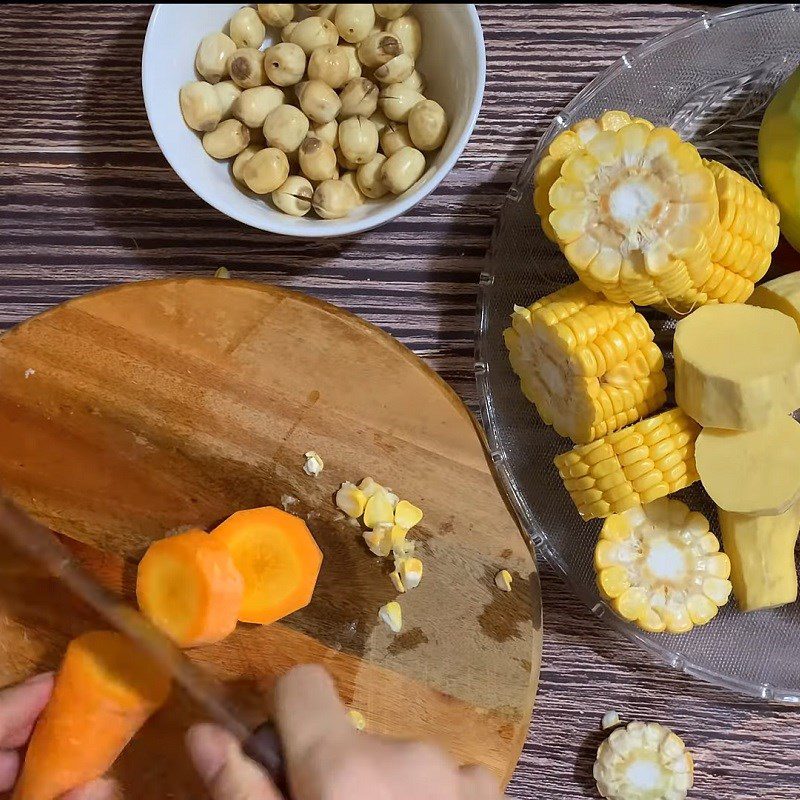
column 39, row 544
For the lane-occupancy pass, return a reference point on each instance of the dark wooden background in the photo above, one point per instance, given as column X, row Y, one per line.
column 87, row 200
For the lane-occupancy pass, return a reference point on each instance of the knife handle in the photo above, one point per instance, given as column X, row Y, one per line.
column 264, row 747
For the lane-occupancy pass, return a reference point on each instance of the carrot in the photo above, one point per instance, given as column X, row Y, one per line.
column 278, row 558
column 190, row 588
column 104, row 692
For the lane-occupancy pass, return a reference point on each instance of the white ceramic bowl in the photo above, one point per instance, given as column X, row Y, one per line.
column 453, row 62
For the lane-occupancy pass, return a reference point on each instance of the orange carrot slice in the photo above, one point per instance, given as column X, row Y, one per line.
column 190, row 588
column 278, row 558
column 105, row 691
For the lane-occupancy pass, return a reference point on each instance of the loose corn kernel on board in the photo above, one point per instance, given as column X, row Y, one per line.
column 128, row 413
column 524, row 265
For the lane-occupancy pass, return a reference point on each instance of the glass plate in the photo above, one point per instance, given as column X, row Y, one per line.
column 710, row 80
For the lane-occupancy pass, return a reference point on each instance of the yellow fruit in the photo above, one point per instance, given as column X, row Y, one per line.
column 761, row 550
column 737, row 366
column 781, row 294
column 778, row 152
column 751, row 472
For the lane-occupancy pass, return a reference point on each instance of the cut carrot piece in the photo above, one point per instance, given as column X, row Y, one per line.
column 105, row 691
column 190, row 588
column 278, row 558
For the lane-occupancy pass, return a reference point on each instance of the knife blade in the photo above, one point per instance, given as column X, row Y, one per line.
column 40, row 545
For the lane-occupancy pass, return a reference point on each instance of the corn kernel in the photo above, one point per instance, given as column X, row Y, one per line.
column 503, row 580
column 407, row 515
column 392, row 615
column 610, row 720
column 369, row 487
column 351, row 500
column 379, row 540
column 378, row 509
column 401, row 547
column 397, row 581
column 314, row 464
column 411, row 572
column 357, row 719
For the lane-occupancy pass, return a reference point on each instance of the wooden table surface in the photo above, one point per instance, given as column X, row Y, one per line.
column 87, row 200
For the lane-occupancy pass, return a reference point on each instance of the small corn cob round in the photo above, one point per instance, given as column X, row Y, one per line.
column 660, row 567
column 643, row 761
column 632, row 212
column 589, row 366
column 548, row 170
column 632, row 466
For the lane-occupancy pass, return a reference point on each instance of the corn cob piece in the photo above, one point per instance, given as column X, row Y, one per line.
column 641, row 217
column 643, row 761
column 660, row 567
column 631, row 213
column 589, row 366
column 741, row 240
column 632, row 466
column 548, row 170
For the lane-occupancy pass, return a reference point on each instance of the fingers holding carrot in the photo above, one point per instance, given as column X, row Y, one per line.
column 20, row 707
column 105, row 691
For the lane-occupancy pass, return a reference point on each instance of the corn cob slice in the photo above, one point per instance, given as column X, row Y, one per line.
column 643, row 761
column 741, row 239
column 588, row 365
column 632, row 466
column 548, row 170
column 632, row 212
column 660, row 567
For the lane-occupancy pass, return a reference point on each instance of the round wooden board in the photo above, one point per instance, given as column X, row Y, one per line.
column 152, row 406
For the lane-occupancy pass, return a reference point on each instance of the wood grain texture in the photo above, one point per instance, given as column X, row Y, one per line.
column 154, row 406
column 87, row 200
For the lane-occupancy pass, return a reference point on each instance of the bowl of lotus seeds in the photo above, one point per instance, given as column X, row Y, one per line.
column 313, row 120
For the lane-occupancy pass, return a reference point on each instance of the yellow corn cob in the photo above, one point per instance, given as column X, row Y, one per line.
column 741, row 240
column 631, row 213
column 643, row 761
column 589, row 366
column 548, row 170
column 747, row 234
column 642, row 218
column 632, row 466
column 660, row 567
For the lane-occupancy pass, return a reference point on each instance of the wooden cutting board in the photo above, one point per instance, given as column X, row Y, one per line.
column 148, row 407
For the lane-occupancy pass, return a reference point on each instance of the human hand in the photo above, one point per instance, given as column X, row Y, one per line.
column 20, row 707
column 327, row 759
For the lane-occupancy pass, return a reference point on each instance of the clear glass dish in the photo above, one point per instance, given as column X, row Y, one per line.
column 710, row 80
